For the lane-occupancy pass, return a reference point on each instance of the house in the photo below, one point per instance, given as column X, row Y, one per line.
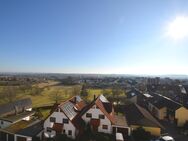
column 17, row 122
column 8, row 120
column 99, row 114
column 72, row 116
column 22, row 131
column 16, row 111
column 136, row 116
column 181, row 116
column 163, row 108
column 64, row 119
column 132, row 95
column 16, row 107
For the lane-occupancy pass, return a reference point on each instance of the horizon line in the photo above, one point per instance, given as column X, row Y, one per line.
column 79, row 73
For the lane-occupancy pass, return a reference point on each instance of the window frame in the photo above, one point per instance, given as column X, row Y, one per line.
column 101, row 116
column 105, row 126
column 89, row 115
column 70, row 132
column 65, row 119
column 52, row 120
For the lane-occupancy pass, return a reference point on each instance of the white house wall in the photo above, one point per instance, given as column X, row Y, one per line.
column 95, row 115
column 59, row 119
column 26, row 137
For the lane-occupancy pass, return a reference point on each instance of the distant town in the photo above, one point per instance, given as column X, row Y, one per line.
column 92, row 107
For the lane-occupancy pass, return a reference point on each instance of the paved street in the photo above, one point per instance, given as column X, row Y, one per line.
column 174, row 132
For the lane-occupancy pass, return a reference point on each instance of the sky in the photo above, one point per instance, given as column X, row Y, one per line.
column 94, row 36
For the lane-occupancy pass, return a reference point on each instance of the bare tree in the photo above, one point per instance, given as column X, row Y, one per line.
column 10, row 93
column 76, row 90
column 105, row 92
column 116, row 92
column 56, row 96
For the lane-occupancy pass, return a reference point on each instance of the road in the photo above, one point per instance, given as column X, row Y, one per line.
column 173, row 131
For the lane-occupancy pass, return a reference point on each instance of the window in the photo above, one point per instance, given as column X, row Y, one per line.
column 1, row 122
column 52, row 119
column 104, row 126
column 70, row 132
column 65, row 120
column 48, row 129
column 101, row 116
column 88, row 115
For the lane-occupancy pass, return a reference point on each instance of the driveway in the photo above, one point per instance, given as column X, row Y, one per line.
column 173, row 131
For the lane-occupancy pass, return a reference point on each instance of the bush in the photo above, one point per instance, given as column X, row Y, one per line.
column 185, row 127
column 141, row 135
column 62, row 137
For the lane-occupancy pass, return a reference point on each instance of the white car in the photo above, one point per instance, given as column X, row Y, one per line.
column 166, row 138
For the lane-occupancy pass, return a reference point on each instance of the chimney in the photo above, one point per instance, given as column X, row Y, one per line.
column 16, row 110
column 94, row 97
column 75, row 99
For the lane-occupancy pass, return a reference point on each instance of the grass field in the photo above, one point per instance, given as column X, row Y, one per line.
column 96, row 92
column 50, row 89
column 46, row 97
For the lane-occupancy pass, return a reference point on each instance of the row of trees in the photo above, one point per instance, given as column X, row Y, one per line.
column 9, row 93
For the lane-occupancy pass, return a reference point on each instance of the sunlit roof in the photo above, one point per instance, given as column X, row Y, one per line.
column 103, row 99
column 68, row 109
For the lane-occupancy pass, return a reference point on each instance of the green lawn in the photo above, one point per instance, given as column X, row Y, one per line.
column 97, row 92
column 46, row 97
column 48, row 91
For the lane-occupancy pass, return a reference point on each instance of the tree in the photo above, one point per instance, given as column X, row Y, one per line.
column 116, row 92
column 141, row 135
column 10, row 93
column 84, row 91
column 185, row 127
column 36, row 90
column 105, row 92
column 76, row 90
column 56, row 96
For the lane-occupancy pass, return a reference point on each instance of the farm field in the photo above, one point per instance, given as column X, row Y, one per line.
column 46, row 96
column 46, row 93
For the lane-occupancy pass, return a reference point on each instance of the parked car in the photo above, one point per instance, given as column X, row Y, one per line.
column 166, row 138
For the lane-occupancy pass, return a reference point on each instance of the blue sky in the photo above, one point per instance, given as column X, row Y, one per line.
column 92, row 36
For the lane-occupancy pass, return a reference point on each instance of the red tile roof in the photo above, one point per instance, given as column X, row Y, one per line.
column 103, row 107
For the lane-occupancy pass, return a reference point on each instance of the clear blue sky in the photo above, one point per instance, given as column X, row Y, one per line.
column 92, row 36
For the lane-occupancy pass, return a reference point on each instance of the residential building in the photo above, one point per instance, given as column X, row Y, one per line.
column 22, row 131
column 166, row 109
column 16, row 111
column 136, row 116
column 132, row 95
column 99, row 114
column 64, row 119
column 18, row 123
column 73, row 115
